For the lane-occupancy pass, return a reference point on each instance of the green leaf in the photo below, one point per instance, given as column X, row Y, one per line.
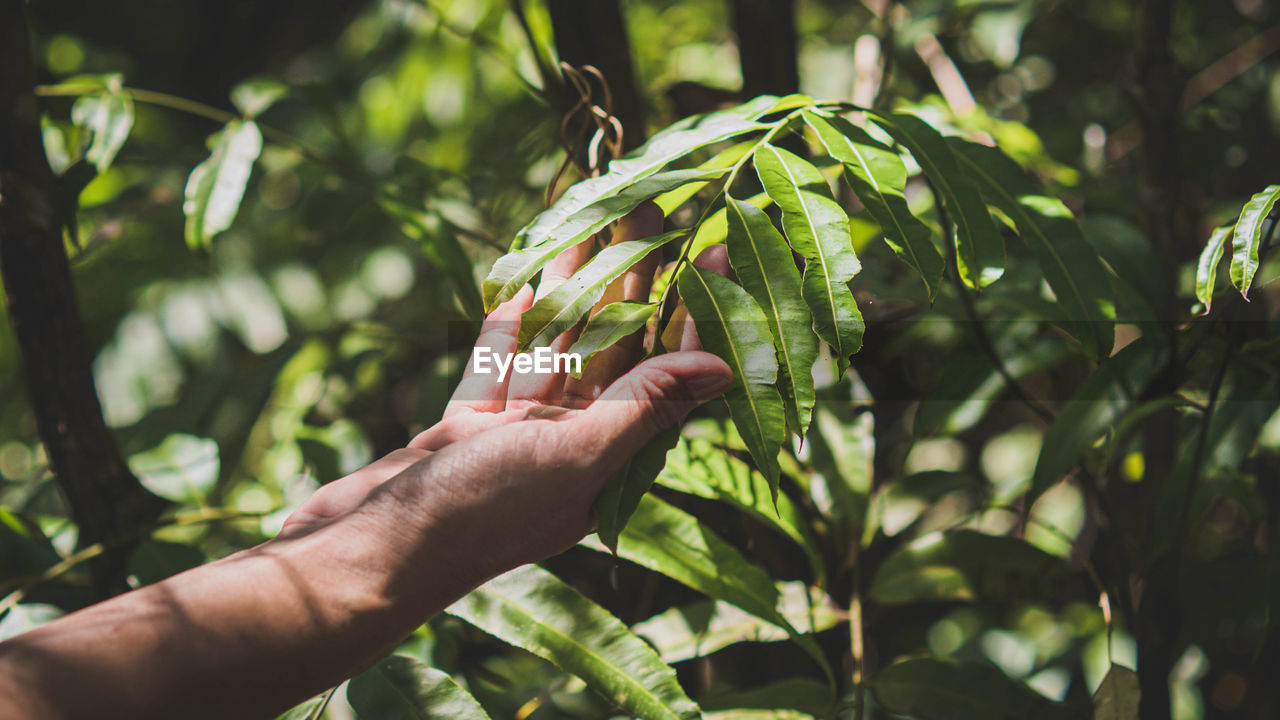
column 700, row 468
column 533, row 610
column 669, row 541
column 732, row 326
column 803, row 697
column 512, row 271
column 614, row 322
column 931, row 688
column 1207, row 268
column 109, row 116
column 402, row 688
column 254, row 97
column 216, row 186
column 1248, row 238
column 671, row 201
column 183, row 468
column 441, row 247
column 622, row 492
column 817, row 228
column 1117, row 697
column 979, row 247
column 878, row 177
column 312, row 709
column 1070, row 265
column 966, row 565
column 1099, row 401
column 697, row 630
column 842, row 449
column 764, row 267
column 672, row 143
column 564, row 306
column 27, row 616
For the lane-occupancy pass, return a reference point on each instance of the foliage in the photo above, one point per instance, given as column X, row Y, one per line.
column 950, row 460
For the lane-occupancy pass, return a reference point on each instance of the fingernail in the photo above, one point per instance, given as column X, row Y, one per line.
column 708, row 386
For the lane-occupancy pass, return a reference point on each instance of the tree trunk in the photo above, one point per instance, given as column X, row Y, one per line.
column 106, row 501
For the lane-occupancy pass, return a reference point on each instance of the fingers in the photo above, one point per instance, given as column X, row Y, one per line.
column 607, row 365
column 655, row 395
column 484, row 392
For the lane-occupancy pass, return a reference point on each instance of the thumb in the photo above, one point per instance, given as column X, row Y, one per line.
column 653, row 396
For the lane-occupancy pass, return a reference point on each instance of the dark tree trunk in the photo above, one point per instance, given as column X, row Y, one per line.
column 107, row 503
column 767, row 46
column 592, row 32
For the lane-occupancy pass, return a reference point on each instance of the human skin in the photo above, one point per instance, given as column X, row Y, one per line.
column 505, row 478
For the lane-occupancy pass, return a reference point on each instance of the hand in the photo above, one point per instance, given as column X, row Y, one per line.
column 509, row 474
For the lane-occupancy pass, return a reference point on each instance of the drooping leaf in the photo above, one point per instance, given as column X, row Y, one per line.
column 402, row 688
column 669, row 541
column 622, row 491
column 1070, row 265
column 256, row 96
column 1117, row 697
column 817, row 228
column 1248, row 238
column 878, row 177
column 216, row 186
column 108, row 115
column 967, row 565
column 698, row 467
column 763, row 265
column 533, row 610
column 697, row 630
column 933, row 688
column 441, row 247
column 732, row 326
column 183, row 468
column 512, row 271
column 842, row 448
column 612, row 323
column 563, row 307
column 1207, row 268
column 1097, row 403
column 979, row 247
column 672, row 143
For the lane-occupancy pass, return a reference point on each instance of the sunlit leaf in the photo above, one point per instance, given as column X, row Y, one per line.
column 402, row 688
column 1248, row 238
column 1207, row 267
column 532, row 609
column 183, row 468
column 1117, row 696
column 966, row 565
column 817, row 228
column 1070, row 265
column 563, row 307
column 762, row 263
column 732, row 326
column 948, row 689
column 612, row 323
column 698, row 467
column 622, row 491
column 979, row 247
column 216, row 186
column 108, row 115
column 672, row 542
column 254, row 97
column 697, row 630
column 672, row 143
column 512, row 271
column 878, row 177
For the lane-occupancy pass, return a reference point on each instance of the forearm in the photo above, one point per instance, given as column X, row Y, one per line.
column 246, row 636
